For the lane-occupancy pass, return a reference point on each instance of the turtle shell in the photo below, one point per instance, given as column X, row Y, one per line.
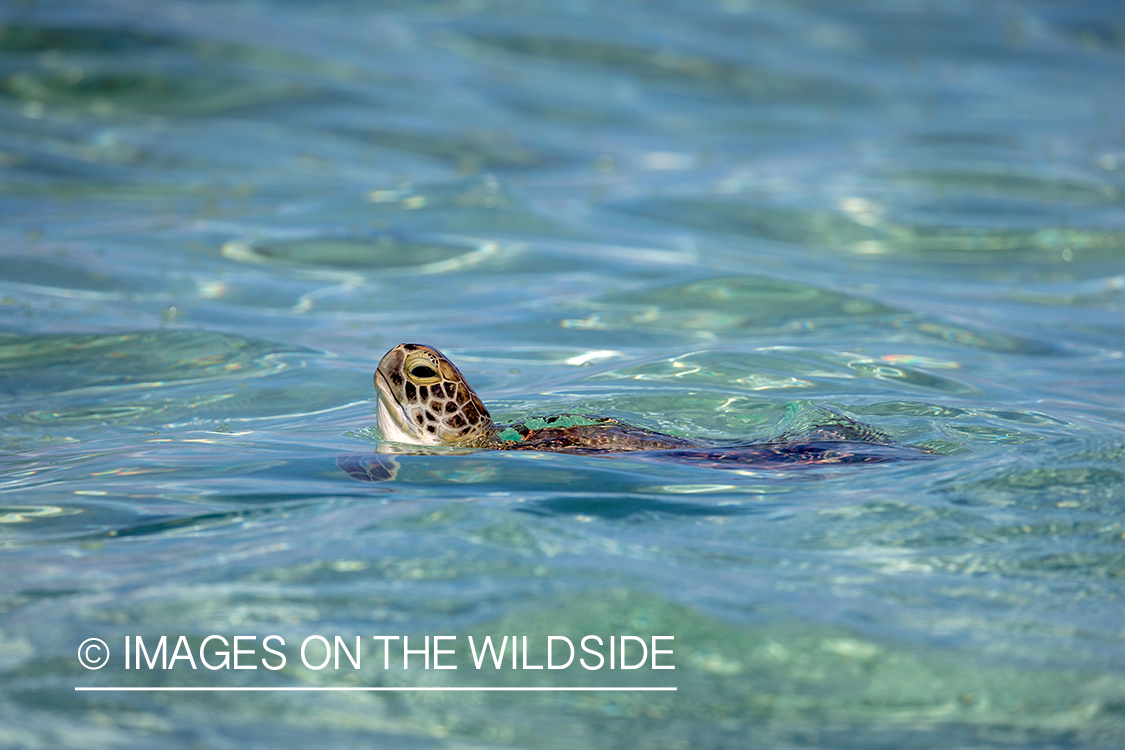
column 837, row 441
column 571, row 433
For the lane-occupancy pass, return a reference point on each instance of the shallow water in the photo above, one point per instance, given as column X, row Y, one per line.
column 714, row 220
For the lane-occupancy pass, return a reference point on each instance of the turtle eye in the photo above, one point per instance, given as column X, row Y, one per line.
column 423, row 373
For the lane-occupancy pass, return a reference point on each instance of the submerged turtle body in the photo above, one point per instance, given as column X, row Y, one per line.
column 423, row 399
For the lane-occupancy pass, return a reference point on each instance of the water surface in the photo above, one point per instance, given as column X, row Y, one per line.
column 708, row 219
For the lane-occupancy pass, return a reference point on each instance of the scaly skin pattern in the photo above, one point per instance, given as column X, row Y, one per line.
column 423, row 399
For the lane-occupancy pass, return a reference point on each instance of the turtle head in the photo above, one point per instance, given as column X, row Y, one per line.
column 424, row 400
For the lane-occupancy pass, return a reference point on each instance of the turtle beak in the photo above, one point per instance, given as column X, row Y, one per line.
column 393, row 422
column 382, row 387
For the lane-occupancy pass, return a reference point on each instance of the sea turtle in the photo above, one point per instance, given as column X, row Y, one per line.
column 424, row 400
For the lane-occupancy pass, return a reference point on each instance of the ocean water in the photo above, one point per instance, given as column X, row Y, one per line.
column 716, row 219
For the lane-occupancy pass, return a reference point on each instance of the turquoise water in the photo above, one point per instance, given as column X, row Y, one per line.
column 710, row 219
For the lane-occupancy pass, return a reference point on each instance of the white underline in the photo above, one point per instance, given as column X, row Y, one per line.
column 370, row 689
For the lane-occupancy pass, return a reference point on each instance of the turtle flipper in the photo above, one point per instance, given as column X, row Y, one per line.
column 369, row 467
column 805, row 421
